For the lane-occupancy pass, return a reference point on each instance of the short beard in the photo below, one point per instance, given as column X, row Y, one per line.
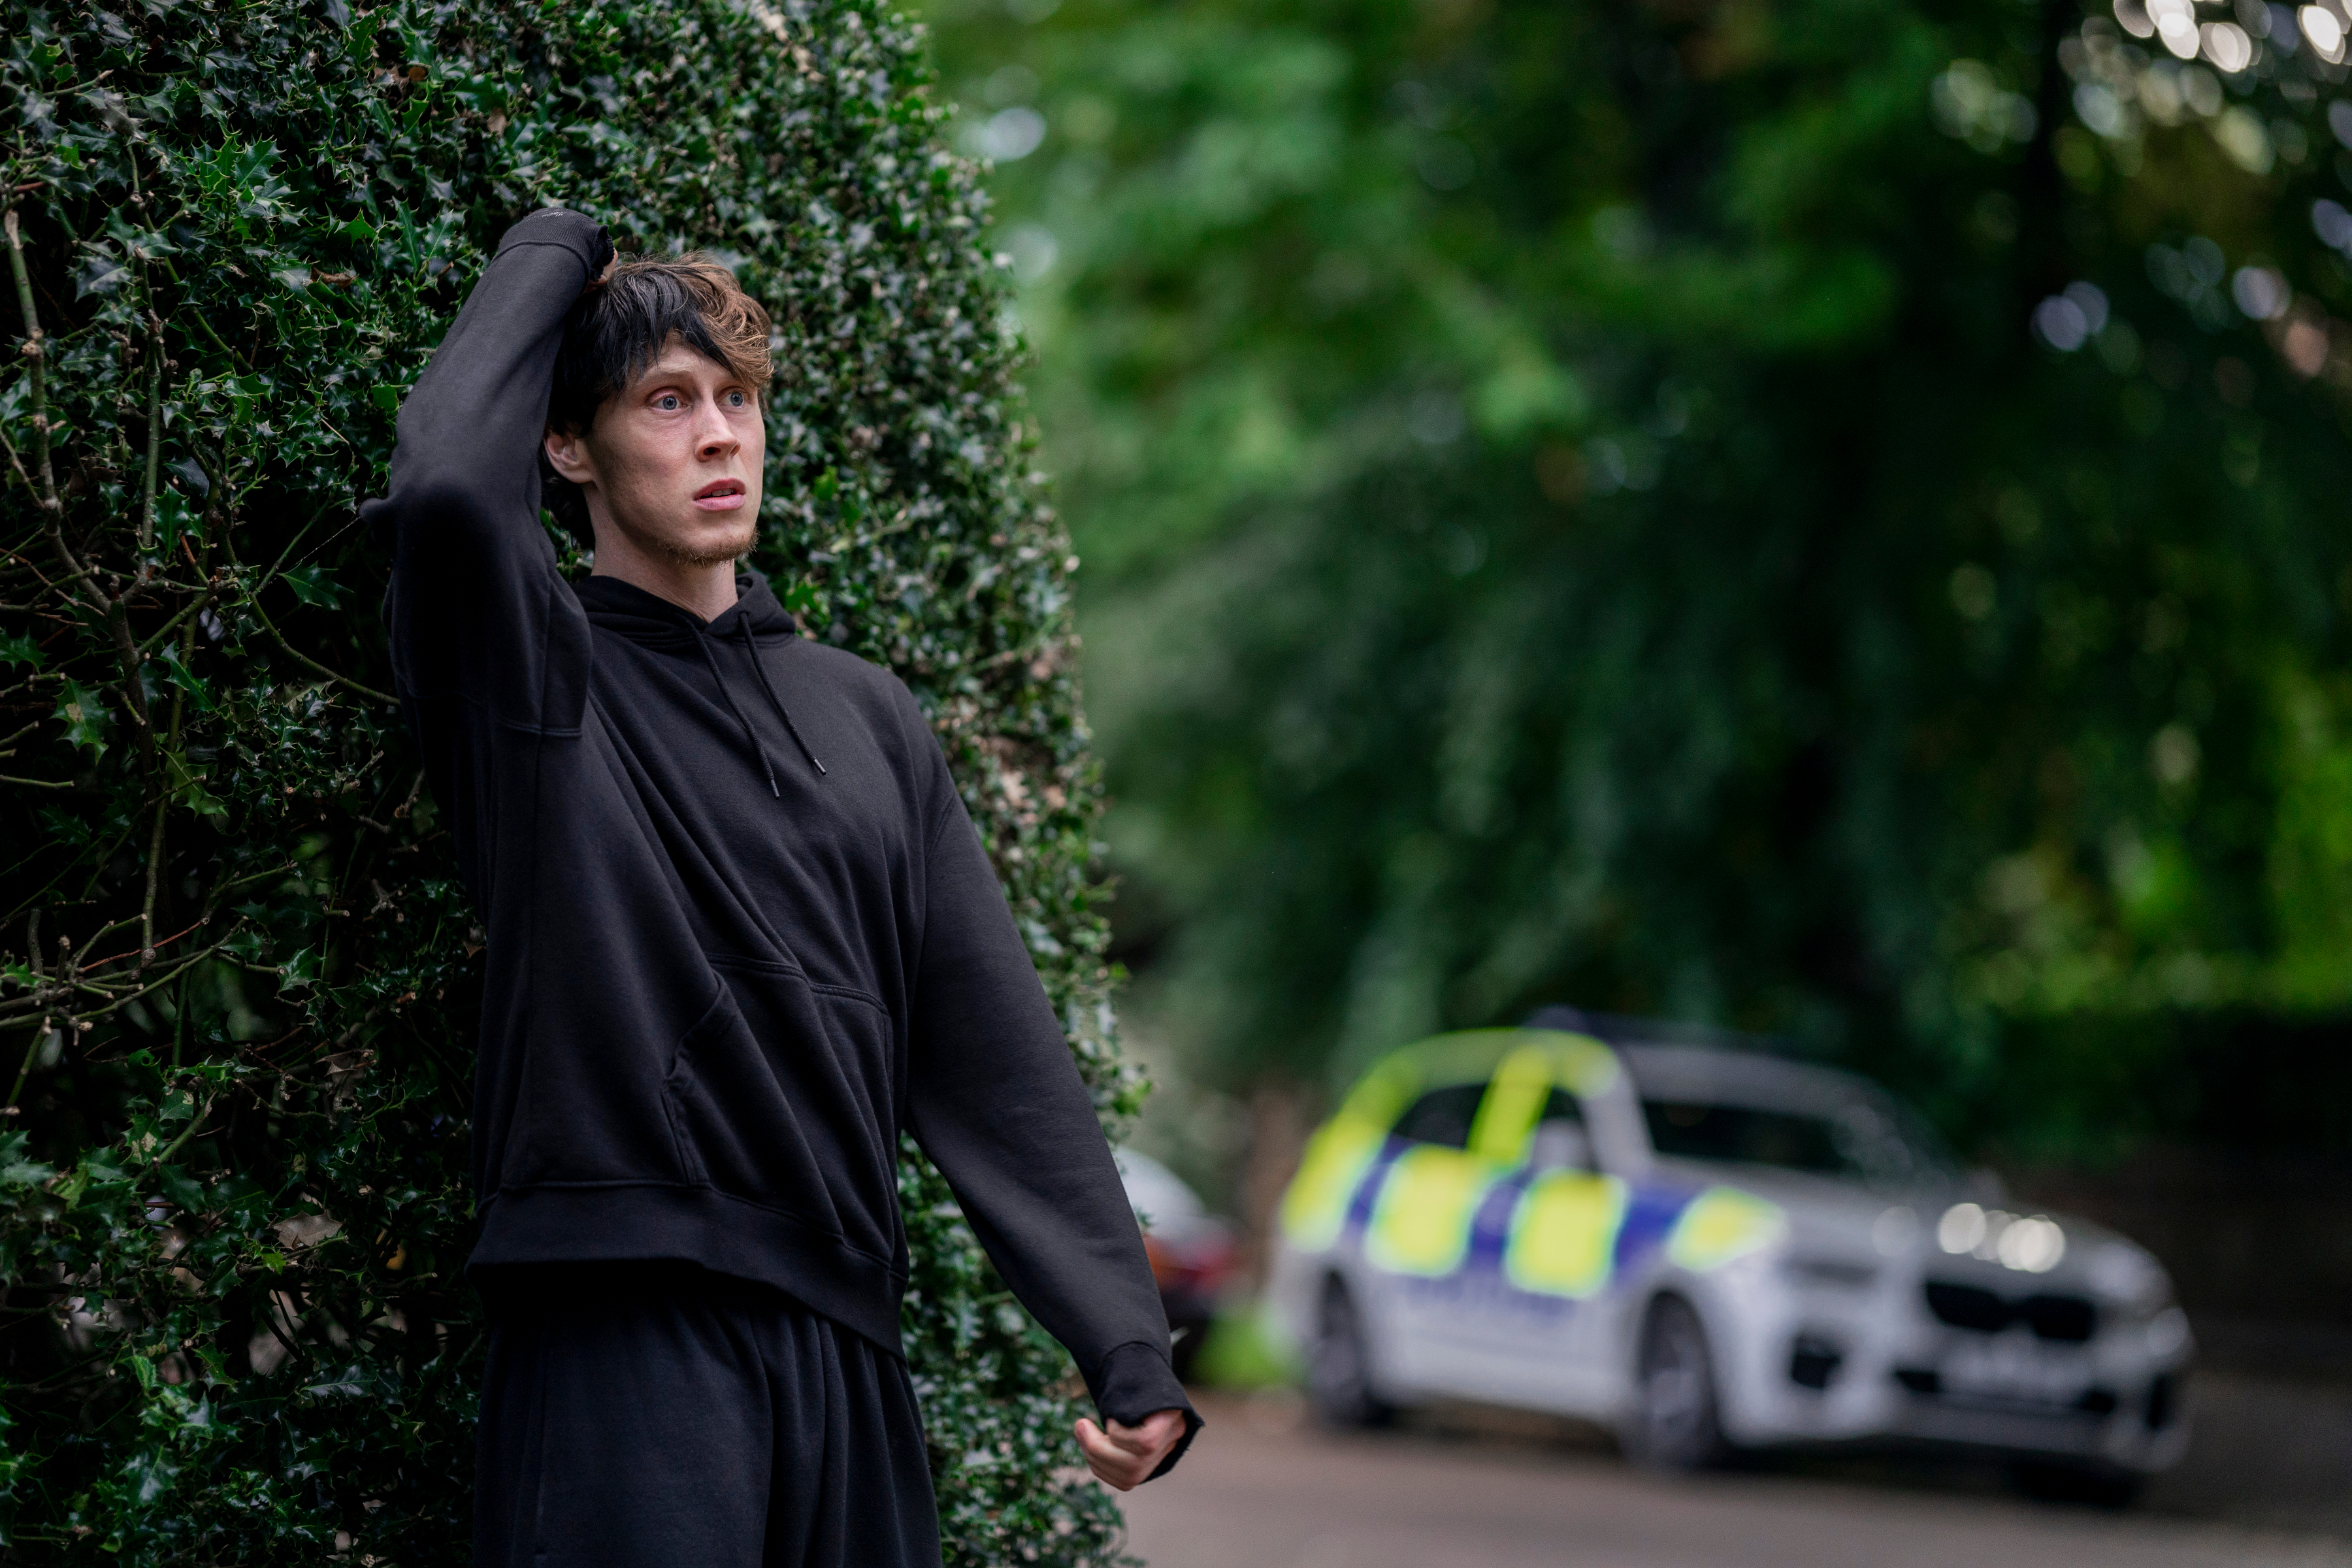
column 688, row 555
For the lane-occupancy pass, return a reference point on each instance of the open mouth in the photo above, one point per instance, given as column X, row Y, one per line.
column 719, row 495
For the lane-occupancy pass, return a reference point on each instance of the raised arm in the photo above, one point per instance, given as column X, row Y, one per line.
column 997, row 1103
column 473, row 573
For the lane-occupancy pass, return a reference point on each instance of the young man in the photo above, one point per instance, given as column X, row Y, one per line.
column 741, row 933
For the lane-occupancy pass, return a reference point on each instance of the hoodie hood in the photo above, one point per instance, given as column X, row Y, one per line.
column 653, row 621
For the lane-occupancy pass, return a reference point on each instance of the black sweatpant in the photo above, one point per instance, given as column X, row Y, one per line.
column 670, row 1418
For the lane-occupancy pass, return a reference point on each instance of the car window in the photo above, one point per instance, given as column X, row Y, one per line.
column 1559, row 1142
column 1443, row 1116
column 1791, row 1141
column 1561, row 1106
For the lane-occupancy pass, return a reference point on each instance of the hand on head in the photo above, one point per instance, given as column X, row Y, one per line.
column 1123, row 1457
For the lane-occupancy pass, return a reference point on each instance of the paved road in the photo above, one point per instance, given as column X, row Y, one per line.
column 1265, row 1490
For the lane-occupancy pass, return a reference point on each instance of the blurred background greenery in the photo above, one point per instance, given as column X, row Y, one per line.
column 1819, row 516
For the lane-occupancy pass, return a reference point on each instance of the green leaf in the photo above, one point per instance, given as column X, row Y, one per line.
column 199, row 690
column 17, row 1169
column 312, row 585
column 17, row 647
column 181, row 1188
column 85, row 718
column 102, row 271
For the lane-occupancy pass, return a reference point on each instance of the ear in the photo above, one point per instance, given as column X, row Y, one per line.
column 568, row 453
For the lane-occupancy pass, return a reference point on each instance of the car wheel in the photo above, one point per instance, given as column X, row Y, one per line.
column 2074, row 1481
column 1339, row 1368
column 1671, row 1423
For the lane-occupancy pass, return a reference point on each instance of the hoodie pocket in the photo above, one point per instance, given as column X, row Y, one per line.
column 781, row 1095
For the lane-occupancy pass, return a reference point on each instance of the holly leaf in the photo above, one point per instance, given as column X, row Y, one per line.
column 313, row 586
column 101, row 271
column 85, row 718
column 188, row 788
column 17, row 1169
column 199, row 690
column 19, row 650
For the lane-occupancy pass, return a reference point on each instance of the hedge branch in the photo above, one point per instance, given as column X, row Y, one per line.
column 154, row 426
column 32, row 352
column 24, row 1071
column 109, row 606
column 253, row 603
column 154, row 385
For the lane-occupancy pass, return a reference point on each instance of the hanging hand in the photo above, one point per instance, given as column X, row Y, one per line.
column 1122, row 1457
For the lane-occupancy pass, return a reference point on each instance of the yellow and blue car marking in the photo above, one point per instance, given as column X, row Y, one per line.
column 1479, row 1218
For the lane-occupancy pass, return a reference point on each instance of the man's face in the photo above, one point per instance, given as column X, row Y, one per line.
column 673, row 462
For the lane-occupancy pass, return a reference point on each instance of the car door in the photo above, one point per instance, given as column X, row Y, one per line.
column 1417, row 1237
column 1491, row 1228
column 1559, row 1260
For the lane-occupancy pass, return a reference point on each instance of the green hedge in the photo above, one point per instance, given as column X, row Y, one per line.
column 240, row 979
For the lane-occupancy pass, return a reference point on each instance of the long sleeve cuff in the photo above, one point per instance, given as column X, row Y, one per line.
column 1133, row 1382
column 575, row 232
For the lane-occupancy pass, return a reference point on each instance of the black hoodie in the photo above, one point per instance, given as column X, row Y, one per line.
column 740, row 930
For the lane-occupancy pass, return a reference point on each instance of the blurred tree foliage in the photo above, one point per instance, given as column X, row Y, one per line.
column 239, row 978
column 1821, row 516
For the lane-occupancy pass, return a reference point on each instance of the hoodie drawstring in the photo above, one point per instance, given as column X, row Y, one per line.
column 752, row 652
column 749, row 739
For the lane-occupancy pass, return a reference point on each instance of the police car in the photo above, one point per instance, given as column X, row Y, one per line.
column 1709, row 1249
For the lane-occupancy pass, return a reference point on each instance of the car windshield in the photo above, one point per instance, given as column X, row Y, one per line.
column 1853, row 1143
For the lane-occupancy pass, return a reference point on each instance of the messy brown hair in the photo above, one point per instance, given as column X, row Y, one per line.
column 617, row 330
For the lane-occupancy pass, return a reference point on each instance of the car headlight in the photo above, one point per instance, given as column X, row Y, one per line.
column 2031, row 1244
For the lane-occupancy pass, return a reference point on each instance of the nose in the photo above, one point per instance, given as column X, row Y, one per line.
column 713, row 437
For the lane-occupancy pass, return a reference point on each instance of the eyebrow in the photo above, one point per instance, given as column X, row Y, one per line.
column 658, row 373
